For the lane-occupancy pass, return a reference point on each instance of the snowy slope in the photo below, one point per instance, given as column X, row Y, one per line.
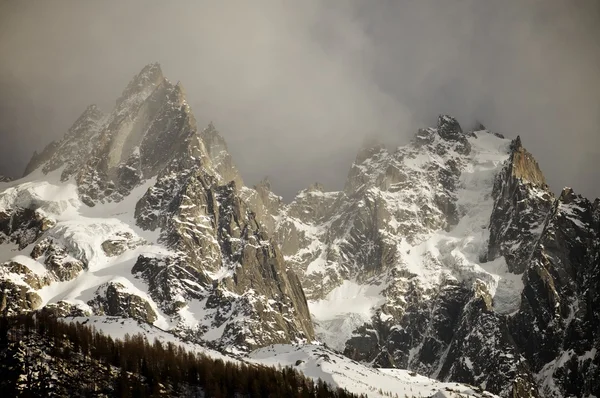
column 318, row 362
column 117, row 328
column 433, row 255
column 81, row 230
column 314, row 361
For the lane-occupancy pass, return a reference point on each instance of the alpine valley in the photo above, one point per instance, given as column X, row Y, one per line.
column 445, row 267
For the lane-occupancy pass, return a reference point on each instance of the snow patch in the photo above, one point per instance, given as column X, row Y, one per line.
column 346, row 307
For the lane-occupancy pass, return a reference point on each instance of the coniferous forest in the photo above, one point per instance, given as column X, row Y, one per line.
column 41, row 356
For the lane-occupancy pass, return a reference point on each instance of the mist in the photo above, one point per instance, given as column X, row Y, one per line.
column 295, row 86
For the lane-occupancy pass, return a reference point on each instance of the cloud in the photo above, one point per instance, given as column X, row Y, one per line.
column 295, row 86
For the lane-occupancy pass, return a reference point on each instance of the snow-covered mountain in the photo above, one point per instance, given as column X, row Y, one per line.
column 449, row 257
column 138, row 214
column 446, row 257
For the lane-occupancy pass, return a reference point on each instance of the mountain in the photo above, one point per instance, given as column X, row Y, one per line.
column 138, row 213
column 449, row 257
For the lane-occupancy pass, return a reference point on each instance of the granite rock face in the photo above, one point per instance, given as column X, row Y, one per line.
column 72, row 151
column 522, row 202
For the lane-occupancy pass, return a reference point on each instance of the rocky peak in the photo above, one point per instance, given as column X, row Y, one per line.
column 516, row 144
column 73, row 149
column 221, row 158
column 214, row 142
column 96, row 146
column 479, row 126
column 568, row 196
column 143, row 83
column 263, row 185
column 265, row 204
column 209, row 251
column 522, row 202
column 368, row 161
column 266, row 195
column 448, row 127
column 524, row 166
column 91, row 116
column 370, row 146
column 316, row 187
column 451, row 133
column 4, row 179
column 557, row 299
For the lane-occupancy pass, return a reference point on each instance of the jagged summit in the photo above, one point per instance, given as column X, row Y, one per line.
column 370, row 145
column 5, row 179
column 448, row 127
column 524, row 166
column 151, row 124
column 522, row 202
column 264, row 184
column 222, row 161
column 143, row 83
column 567, row 195
column 73, row 149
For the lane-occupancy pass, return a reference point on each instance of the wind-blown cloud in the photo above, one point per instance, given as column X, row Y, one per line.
column 295, row 86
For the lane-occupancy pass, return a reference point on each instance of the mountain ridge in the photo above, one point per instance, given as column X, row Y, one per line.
column 449, row 256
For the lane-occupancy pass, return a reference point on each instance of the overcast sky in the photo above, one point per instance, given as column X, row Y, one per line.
column 294, row 86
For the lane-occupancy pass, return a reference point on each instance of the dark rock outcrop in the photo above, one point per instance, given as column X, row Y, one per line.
column 21, row 226
column 557, row 324
column 114, row 299
column 62, row 266
column 220, row 235
column 15, row 298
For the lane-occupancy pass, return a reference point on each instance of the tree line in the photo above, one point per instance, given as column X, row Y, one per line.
column 43, row 356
